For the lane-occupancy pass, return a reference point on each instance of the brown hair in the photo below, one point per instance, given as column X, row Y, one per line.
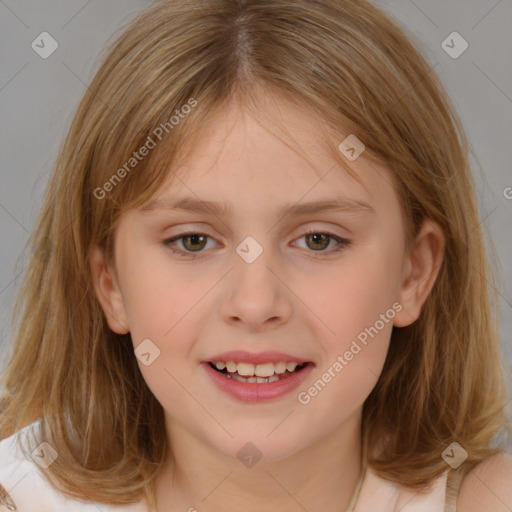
column 356, row 69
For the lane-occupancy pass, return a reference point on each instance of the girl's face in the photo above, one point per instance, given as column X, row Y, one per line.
column 252, row 280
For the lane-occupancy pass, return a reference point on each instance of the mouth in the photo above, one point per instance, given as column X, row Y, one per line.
column 258, row 374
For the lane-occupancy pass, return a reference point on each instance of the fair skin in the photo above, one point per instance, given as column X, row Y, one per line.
column 488, row 486
column 290, row 299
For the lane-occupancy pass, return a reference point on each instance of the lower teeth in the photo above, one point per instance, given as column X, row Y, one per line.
column 251, row 380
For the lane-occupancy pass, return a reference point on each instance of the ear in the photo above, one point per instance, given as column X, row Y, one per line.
column 420, row 272
column 108, row 292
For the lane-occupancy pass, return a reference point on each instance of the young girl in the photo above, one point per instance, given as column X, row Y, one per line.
column 258, row 280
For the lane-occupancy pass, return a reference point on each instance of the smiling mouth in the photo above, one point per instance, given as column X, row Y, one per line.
column 255, row 379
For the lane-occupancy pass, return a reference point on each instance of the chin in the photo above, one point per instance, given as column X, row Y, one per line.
column 255, row 445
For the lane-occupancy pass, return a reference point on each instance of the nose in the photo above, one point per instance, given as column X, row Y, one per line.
column 257, row 297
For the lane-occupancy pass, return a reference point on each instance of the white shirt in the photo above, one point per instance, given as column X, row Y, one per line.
column 29, row 491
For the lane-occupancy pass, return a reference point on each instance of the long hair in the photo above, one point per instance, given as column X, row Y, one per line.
column 361, row 73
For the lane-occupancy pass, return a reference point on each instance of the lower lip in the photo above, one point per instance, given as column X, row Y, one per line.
column 257, row 392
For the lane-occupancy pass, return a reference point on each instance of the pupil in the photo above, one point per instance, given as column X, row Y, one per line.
column 315, row 235
column 194, row 239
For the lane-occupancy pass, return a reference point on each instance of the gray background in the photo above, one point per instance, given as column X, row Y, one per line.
column 39, row 96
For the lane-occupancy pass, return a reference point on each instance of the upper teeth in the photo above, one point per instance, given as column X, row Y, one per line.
column 260, row 370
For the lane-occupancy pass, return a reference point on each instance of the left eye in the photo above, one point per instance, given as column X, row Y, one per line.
column 195, row 242
column 320, row 237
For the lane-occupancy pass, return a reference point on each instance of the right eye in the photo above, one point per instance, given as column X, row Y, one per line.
column 193, row 242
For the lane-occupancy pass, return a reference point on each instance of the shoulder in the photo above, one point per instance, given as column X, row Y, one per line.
column 22, row 486
column 488, row 486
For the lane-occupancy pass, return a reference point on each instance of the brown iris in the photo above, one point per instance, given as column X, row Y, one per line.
column 197, row 242
column 318, row 238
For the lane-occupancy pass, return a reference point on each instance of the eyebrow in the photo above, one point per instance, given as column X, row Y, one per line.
column 191, row 204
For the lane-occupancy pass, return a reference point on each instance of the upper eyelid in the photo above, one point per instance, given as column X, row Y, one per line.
column 204, row 231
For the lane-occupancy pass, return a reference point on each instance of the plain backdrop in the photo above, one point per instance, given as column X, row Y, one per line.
column 39, row 96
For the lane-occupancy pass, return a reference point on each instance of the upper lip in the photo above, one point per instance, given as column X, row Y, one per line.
column 242, row 356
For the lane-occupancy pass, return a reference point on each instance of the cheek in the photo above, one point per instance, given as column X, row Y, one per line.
column 157, row 295
column 356, row 306
column 354, row 295
column 163, row 306
column 358, row 311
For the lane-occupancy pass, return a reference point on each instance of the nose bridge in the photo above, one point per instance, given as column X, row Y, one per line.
column 256, row 295
column 252, row 276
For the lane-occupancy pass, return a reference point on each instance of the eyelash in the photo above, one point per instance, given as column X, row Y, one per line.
column 342, row 243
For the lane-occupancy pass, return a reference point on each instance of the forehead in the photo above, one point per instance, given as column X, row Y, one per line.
column 275, row 150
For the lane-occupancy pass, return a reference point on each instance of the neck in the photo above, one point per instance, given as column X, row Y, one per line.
column 322, row 476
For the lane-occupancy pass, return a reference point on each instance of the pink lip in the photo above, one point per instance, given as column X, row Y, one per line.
column 242, row 356
column 264, row 392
